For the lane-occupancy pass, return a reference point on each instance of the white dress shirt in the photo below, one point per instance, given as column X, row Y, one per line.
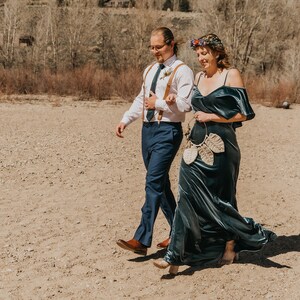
column 182, row 85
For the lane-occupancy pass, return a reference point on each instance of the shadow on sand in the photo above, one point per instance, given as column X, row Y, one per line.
column 283, row 244
column 156, row 255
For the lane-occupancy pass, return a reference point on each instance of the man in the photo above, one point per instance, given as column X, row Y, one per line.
column 161, row 132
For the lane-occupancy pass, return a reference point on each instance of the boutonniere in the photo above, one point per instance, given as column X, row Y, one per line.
column 166, row 73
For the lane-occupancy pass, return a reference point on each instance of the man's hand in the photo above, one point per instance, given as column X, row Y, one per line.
column 150, row 101
column 119, row 129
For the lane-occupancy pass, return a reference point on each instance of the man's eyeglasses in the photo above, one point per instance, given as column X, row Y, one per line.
column 156, row 47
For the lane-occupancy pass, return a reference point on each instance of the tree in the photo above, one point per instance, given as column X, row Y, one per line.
column 11, row 22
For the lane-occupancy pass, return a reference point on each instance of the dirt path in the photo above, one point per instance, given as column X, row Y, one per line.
column 70, row 189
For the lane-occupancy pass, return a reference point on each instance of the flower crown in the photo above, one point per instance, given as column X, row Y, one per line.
column 213, row 42
column 197, row 43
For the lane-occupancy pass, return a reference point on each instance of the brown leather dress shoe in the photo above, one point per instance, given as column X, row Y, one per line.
column 163, row 244
column 133, row 245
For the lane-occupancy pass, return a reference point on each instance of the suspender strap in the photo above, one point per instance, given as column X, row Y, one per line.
column 200, row 75
column 159, row 117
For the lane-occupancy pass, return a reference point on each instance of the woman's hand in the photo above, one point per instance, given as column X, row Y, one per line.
column 203, row 117
column 171, row 99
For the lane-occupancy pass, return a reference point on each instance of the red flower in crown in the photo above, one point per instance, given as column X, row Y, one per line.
column 197, row 42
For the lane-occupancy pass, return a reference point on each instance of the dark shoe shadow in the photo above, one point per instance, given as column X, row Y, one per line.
column 188, row 272
column 168, row 276
column 159, row 254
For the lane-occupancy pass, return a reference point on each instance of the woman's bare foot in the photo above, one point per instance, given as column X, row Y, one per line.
column 162, row 264
column 229, row 254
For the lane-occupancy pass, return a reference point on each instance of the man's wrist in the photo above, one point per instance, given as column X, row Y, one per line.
column 160, row 104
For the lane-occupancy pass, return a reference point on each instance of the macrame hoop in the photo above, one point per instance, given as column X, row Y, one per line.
column 212, row 143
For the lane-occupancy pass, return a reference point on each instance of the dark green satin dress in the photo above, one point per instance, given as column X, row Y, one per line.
column 207, row 215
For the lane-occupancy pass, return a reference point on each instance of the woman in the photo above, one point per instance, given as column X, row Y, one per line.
column 207, row 226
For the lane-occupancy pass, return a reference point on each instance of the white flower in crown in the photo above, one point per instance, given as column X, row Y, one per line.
column 166, row 73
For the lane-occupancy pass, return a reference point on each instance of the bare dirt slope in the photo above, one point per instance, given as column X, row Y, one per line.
column 70, row 189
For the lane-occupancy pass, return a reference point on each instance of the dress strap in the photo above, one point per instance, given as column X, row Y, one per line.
column 201, row 73
column 226, row 77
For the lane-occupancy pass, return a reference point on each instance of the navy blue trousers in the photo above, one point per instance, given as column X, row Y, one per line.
column 160, row 144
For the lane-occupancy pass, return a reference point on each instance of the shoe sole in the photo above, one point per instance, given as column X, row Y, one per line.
column 140, row 252
column 161, row 247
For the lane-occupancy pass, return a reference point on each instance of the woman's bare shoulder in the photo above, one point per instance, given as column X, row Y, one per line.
column 234, row 78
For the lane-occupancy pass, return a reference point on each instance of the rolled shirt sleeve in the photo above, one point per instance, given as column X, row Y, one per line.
column 136, row 109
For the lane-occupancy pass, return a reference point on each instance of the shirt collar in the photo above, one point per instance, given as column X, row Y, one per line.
column 170, row 61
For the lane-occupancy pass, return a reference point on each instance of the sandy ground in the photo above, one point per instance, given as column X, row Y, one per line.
column 70, row 189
